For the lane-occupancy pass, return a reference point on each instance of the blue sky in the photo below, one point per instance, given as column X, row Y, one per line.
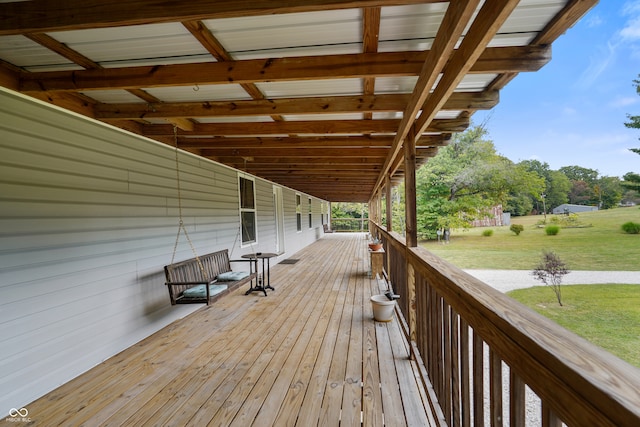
column 572, row 111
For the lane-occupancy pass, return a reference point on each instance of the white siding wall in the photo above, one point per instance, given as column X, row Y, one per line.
column 88, row 218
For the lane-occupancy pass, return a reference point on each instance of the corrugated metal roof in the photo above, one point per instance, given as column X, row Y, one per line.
column 208, row 74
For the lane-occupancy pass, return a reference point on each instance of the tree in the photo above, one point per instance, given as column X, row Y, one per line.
column 557, row 184
column 465, row 180
column 608, row 191
column 578, row 173
column 632, row 180
column 580, row 193
column 550, row 271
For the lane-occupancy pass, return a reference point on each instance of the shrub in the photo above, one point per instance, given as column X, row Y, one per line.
column 487, row 233
column 552, row 230
column 550, row 270
column 631, row 227
column 517, row 228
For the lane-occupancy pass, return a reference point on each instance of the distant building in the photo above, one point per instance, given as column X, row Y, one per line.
column 495, row 218
column 568, row 208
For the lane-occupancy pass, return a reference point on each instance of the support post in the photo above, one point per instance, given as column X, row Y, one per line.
column 412, row 226
column 410, row 190
column 389, row 204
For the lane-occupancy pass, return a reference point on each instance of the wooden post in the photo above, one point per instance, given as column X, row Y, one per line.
column 389, row 204
column 411, row 224
column 410, row 190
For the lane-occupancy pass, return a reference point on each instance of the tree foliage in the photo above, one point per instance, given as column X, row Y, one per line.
column 465, row 180
column 631, row 179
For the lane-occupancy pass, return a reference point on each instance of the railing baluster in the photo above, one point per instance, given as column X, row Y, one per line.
column 478, row 380
column 455, row 368
column 495, row 386
column 516, row 400
column 549, row 418
column 446, row 338
column 465, row 385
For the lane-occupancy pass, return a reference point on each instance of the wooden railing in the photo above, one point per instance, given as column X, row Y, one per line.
column 488, row 360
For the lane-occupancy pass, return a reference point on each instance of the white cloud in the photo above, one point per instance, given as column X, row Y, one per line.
column 624, row 101
column 631, row 29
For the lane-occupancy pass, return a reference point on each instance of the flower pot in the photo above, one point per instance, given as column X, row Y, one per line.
column 382, row 308
column 375, row 246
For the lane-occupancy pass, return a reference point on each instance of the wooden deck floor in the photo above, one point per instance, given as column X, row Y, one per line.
column 308, row 354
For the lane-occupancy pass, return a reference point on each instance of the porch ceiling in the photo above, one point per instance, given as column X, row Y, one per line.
column 316, row 95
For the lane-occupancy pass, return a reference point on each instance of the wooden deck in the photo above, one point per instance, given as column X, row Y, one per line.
column 309, row 353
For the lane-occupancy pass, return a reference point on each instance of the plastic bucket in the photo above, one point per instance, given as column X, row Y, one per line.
column 382, row 308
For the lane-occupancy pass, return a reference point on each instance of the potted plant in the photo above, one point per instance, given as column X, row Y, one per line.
column 375, row 245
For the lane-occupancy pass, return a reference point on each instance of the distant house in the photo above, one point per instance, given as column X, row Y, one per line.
column 568, row 208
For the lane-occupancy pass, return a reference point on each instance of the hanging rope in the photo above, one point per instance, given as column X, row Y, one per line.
column 181, row 226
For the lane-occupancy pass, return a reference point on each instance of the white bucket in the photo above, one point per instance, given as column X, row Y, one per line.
column 382, row 308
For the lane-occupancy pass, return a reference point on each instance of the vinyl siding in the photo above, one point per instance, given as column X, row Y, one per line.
column 88, row 218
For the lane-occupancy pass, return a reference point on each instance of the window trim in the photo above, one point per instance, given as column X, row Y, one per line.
column 242, row 210
column 299, row 212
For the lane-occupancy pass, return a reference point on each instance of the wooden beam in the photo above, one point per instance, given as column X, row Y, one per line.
column 569, row 15
column 304, row 127
column 453, row 24
column 305, row 142
column 309, row 161
column 482, row 30
column 516, row 59
column 370, row 35
column 50, row 16
column 297, row 152
column 284, row 106
column 9, row 76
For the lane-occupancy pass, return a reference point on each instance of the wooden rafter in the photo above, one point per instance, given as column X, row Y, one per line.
column 305, row 127
column 454, row 22
column 317, row 105
column 508, row 59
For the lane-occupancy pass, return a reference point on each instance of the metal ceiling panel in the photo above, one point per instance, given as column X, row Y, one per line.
column 305, row 33
column 251, row 119
column 23, row 52
column 113, row 96
column 303, row 88
column 230, row 92
column 319, row 117
column 148, row 44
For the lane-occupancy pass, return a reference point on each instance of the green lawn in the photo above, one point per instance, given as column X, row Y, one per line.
column 600, row 245
column 606, row 315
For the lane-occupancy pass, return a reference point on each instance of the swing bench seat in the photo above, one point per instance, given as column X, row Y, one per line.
column 191, row 282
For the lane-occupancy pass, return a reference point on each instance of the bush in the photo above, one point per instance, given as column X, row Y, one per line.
column 552, row 230
column 631, row 227
column 487, row 233
column 517, row 228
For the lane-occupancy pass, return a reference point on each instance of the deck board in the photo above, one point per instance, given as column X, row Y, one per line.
column 307, row 354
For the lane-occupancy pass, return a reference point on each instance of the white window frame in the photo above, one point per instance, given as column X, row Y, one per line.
column 299, row 212
column 243, row 210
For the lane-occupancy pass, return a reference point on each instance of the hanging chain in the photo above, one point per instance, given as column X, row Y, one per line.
column 180, row 221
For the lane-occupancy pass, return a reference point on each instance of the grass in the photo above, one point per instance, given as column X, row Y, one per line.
column 602, row 245
column 606, row 315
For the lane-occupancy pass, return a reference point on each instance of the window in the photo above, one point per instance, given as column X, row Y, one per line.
column 247, row 210
column 299, row 212
column 310, row 216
